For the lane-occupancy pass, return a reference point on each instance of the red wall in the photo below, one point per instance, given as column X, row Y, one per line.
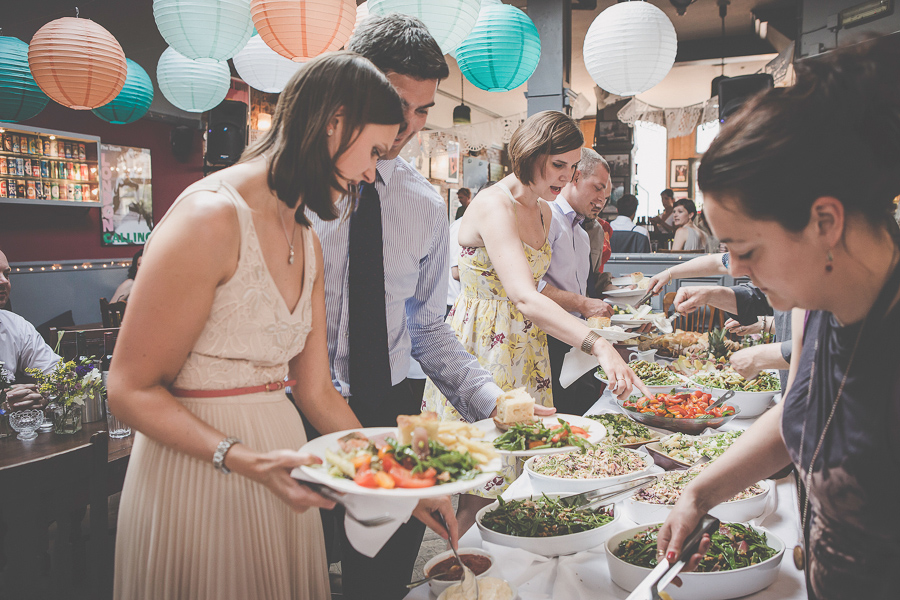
column 49, row 233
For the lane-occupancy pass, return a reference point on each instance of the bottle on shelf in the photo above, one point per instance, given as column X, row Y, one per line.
column 81, row 349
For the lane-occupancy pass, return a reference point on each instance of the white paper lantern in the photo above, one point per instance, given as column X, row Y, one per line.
column 448, row 21
column 629, row 48
column 263, row 68
column 204, row 29
column 362, row 11
column 192, row 85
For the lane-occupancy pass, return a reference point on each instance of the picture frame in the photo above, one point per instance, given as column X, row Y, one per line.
column 680, row 174
column 126, row 186
column 452, row 162
column 619, row 165
column 612, row 133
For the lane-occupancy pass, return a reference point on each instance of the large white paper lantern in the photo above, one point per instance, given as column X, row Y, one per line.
column 192, row 85
column 448, row 21
column 204, row 29
column 263, row 68
column 629, row 48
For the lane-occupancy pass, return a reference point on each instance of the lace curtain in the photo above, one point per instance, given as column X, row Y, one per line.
column 475, row 137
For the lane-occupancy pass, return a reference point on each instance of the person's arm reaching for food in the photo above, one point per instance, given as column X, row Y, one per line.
column 749, row 362
column 702, row 266
column 690, row 298
column 572, row 302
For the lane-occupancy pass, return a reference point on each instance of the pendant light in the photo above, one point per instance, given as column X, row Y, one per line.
column 462, row 114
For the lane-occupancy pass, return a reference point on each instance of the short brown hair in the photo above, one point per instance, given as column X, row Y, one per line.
column 296, row 146
column 541, row 135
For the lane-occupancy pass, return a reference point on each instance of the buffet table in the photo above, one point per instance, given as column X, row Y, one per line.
column 585, row 575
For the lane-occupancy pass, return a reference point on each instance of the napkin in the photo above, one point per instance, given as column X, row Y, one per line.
column 540, row 577
column 369, row 540
column 575, row 364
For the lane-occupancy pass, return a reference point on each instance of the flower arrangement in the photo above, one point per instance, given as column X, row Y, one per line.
column 68, row 385
column 5, row 382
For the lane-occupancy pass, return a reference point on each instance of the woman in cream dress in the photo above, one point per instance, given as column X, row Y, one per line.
column 229, row 304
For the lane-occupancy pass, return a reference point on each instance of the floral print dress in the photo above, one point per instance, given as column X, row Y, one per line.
column 491, row 328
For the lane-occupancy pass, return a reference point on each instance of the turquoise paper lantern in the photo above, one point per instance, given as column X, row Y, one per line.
column 192, row 85
column 20, row 96
column 204, row 30
column 448, row 21
column 503, row 49
column 133, row 101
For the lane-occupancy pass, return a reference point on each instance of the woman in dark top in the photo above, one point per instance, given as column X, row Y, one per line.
column 800, row 186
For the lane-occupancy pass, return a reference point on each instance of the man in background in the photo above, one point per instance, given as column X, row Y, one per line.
column 465, row 196
column 665, row 220
column 628, row 237
column 570, row 269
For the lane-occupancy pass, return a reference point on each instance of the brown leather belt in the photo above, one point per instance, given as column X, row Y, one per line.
column 269, row 387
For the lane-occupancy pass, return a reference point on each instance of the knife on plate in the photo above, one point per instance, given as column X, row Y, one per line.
column 665, row 571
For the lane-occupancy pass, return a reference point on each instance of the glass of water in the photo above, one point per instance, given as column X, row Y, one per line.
column 117, row 429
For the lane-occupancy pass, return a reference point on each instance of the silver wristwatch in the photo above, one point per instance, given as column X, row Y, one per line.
column 221, row 450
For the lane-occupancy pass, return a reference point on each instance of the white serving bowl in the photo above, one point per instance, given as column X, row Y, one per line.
column 752, row 404
column 515, row 592
column 438, row 586
column 739, row 511
column 550, row 484
column 721, row 585
column 548, row 546
column 655, row 389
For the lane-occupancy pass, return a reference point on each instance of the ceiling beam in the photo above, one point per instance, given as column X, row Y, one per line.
column 716, row 47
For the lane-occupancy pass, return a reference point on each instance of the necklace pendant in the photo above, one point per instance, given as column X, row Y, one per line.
column 291, row 257
column 799, row 557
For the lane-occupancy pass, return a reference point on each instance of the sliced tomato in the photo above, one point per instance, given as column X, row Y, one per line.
column 361, row 462
column 384, row 480
column 366, row 478
column 404, row 479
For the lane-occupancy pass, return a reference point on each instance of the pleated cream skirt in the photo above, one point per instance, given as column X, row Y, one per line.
column 188, row 531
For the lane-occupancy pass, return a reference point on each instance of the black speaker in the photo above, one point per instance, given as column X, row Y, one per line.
column 182, row 142
column 734, row 91
column 226, row 135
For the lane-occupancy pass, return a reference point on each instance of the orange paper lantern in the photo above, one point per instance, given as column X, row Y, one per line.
column 77, row 63
column 303, row 29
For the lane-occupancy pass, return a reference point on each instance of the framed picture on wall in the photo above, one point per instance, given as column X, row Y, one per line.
column 496, row 172
column 452, row 162
column 679, row 174
column 612, row 132
column 619, row 164
column 126, row 208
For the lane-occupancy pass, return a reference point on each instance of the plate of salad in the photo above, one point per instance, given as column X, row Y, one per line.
column 624, row 431
column 544, row 436
column 372, row 461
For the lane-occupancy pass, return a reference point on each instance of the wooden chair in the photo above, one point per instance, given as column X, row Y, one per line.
column 65, row 337
column 112, row 313
column 704, row 319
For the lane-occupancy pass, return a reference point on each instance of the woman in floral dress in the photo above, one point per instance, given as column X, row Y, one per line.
column 500, row 316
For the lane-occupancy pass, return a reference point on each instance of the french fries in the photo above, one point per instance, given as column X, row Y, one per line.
column 463, row 437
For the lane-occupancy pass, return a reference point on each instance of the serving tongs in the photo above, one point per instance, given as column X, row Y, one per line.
column 665, row 571
column 607, row 495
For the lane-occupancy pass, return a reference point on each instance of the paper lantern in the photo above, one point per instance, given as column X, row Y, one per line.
column 448, row 21
column 503, row 49
column 303, row 29
column 20, row 96
column 77, row 63
column 192, row 85
column 204, row 29
column 263, row 68
column 133, row 101
column 362, row 11
column 629, row 48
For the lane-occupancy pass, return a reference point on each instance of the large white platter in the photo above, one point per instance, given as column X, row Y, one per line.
column 596, row 432
column 624, row 292
column 318, row 446
column 611, row 335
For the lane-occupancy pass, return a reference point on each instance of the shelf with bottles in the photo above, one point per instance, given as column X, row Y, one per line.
column 46, row 167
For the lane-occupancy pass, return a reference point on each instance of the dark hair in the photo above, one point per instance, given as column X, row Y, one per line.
column 540, row 135
column 399, row 44
column 627, row 205
column 296, row 145
column 835, row 132
column 132, row 271
column 668, row 192
column 464, row 192
column 688, row 205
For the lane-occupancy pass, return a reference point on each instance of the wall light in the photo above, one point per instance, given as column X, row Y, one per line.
column 263, row 121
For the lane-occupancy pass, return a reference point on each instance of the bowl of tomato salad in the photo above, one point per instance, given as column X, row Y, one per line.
column 681, row 411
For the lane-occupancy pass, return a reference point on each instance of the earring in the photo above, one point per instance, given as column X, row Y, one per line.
column 331, row 132
column 830, row 258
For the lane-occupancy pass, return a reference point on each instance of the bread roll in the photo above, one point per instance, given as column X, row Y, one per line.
column 516, row 406
column 407, row 423
column 598, row 322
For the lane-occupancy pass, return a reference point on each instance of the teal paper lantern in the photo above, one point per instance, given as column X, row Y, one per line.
column 503, row 49
column 20, row 96
column 204, row 30
column 192, row 85
column 133, row 101
column 448, row 21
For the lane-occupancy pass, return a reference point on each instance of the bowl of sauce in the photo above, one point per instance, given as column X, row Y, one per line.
column 449, row 572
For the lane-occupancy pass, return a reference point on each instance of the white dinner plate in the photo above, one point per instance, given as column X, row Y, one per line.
column 611, row 335
column 624, row 292
column 596, row 432
column 624, row 281
column 318, row 446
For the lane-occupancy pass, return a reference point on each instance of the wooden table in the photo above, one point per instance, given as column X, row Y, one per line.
column 49, row 479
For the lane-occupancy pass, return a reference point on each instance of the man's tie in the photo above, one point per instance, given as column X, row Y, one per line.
column 370, row 368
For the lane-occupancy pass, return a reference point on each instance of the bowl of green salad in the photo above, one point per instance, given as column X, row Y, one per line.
column 753, row 396
column 741, row 560
column 541, row 524
column 655, row 376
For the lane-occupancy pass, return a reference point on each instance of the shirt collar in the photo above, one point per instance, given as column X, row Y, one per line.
column 568, row 211
column 386, row 168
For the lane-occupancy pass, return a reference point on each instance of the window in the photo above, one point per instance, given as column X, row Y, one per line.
column 706, row 133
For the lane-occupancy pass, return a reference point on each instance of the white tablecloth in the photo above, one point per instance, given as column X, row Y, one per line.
column 586, row 576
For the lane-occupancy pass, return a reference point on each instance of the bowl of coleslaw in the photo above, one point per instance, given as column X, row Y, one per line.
column 576, row 471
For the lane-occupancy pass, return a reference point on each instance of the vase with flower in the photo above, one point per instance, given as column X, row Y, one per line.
column 69, row 384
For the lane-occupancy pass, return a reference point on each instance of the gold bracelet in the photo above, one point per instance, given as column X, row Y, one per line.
column 588, row 344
